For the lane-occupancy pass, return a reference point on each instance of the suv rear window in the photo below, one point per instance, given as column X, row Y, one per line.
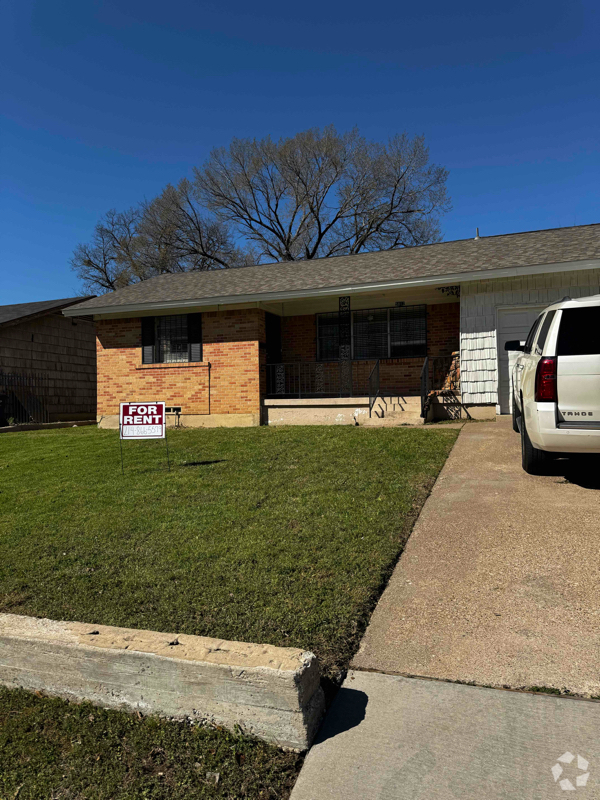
column 531, row 334
column 541, row 339
column 579, row 333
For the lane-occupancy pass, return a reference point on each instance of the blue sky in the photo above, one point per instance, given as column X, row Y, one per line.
column 103, row 103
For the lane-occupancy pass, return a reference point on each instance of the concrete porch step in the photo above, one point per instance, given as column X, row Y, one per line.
column 393, row 410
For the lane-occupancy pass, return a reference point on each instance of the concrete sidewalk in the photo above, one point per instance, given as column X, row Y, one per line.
column 499, row 585
column 394, row 738
column 500, row 581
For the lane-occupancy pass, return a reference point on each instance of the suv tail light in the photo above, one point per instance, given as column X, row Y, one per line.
column 545, row 381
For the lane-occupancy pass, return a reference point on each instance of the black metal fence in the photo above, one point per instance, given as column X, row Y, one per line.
column 370, row 378
column 23, row 398
column 321, row 379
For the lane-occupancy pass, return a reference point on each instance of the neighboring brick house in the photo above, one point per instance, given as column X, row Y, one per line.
column 223, row 347
column 47, row 362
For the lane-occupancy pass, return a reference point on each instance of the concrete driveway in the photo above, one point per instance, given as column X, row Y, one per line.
column 500, row 581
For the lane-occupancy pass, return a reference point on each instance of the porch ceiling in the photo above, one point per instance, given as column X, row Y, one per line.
column 429, row 295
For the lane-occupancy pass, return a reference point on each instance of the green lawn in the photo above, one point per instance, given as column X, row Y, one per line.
column 285, row 536
column 52, row 749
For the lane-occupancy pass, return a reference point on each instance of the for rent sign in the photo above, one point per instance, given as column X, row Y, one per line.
column 142, row 420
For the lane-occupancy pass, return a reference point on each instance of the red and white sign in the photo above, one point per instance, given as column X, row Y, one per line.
column 142, row 420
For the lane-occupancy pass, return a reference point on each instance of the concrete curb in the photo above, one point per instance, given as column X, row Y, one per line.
column 269, row 692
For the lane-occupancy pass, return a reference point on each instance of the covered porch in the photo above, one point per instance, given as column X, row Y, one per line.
column 368, row 354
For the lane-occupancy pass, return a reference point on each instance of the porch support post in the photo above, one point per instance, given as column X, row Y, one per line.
column 345, row 353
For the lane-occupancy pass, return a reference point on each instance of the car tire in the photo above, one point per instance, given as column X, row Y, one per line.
column 535, row 462
column 515, row 415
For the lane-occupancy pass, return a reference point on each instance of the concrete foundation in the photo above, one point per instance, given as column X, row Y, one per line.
column 320, row 411
column 270, row 692
column 441, row 410
column 111, row 421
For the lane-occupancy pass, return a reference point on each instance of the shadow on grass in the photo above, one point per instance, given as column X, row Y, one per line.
column 201, row 463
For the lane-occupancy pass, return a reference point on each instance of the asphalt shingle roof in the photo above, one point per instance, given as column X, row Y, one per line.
column 514, row 250
column 21, row 310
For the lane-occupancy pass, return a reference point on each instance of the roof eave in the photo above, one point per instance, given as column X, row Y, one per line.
column 345, row 289
column 46, row 312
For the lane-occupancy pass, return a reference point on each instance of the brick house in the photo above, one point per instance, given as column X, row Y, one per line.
column 316, row 341
column 47, row 362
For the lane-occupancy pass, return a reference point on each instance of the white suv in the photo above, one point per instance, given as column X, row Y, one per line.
column 556, row 383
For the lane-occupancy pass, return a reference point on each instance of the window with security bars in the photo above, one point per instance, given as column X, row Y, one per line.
column 172, row 339
column 399, row 332
column 328, row 337
column 408, row 331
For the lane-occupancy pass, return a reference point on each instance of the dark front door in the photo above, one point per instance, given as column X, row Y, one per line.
column 273, row 331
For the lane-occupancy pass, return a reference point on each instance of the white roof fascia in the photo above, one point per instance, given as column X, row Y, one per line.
column 298, row 294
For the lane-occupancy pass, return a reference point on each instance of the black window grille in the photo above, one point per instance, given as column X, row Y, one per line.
column 408, row 331
column 328, row 337
column 370, row 334
column 172, row 339
column 399, row 332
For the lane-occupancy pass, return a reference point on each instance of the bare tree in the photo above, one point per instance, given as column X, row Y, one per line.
column 316, row 194
column 167, row 234
column 178, row 228
column 321, row 193
column 111, row 259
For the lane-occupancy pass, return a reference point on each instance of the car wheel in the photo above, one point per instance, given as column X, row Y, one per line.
column 535, row 462
column 515, row 415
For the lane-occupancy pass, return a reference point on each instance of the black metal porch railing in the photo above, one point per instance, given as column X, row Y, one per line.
column 23, row 398
column 317, row 379
column 425, row 388
column 374, row 386
column 314, row 379
column 304, row 379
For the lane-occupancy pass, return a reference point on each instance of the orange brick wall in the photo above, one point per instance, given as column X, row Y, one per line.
column 231, row 342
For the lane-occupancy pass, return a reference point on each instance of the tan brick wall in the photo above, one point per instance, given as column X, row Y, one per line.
column 62, row 349
column 231, row 342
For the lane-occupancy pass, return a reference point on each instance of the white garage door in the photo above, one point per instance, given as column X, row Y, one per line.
column 513, row 323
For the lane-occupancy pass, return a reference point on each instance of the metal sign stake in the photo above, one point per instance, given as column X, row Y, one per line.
column 121, row 443
column 167, row 444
